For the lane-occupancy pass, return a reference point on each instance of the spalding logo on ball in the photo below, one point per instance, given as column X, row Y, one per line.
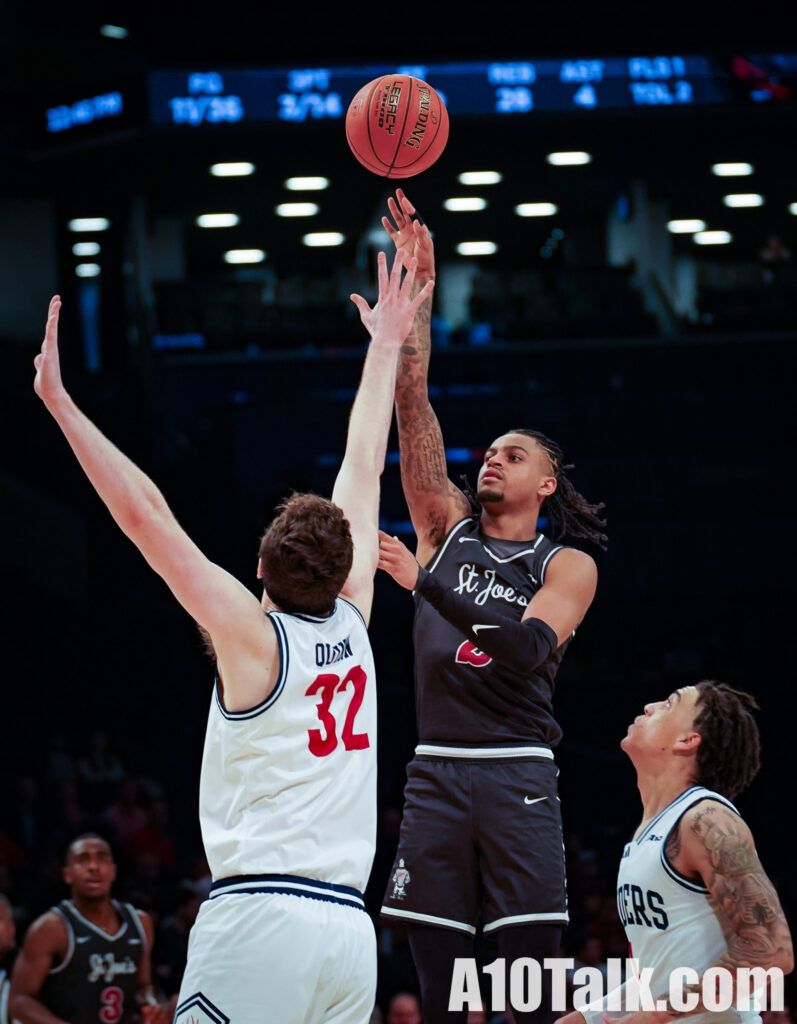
column 397, row 126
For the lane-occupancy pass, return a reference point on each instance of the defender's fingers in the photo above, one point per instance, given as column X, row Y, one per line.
column 395, row 213
column 390, row 229
column 382, row 274
column 395, row 273
column 406, row 205
column 422, row 296
column 37, row 362
column 409, row 279
column 362, row 306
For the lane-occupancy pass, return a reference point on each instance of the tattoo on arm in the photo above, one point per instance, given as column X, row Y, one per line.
column 741, row 893
column 423, row 457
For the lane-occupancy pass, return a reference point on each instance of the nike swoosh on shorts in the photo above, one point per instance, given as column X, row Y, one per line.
column 527, row 801
column 485, row 626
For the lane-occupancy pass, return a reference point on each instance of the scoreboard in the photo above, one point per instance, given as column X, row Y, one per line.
column 209, row 97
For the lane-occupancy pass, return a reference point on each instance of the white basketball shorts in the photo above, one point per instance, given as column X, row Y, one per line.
column 274, row 958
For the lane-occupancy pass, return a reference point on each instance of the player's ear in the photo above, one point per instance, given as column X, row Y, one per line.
column 688, row 743
column 259, row 569
column 547, row 486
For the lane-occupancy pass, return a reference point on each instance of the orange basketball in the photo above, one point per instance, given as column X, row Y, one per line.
column 397, row 126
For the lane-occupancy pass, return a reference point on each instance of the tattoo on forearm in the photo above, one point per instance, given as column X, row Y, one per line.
column 423, row 458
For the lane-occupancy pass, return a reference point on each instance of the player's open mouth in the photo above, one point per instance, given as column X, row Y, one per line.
column 491, row 476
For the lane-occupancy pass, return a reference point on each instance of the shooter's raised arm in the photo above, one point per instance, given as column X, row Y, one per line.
column 434, row 502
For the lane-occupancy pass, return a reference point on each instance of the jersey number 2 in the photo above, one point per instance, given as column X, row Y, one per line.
column 323, row 743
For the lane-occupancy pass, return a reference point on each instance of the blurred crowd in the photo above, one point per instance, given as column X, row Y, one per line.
column 94, row 790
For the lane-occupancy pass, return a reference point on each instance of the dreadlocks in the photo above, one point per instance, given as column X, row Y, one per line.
column 729, row 754
column 569, row 512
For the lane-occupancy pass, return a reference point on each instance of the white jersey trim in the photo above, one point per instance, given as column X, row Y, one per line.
column 354, row 608
column 480, row 753
column 672, row 871
column 444, row 922
column 556, row 916
column 452, row 533
column 511, row 558
column 548, row 557
column 279, row 686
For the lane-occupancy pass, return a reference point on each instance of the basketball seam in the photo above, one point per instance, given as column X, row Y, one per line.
column 429, row 147
column 403, row 126
column 375, row 168
column 368, row 123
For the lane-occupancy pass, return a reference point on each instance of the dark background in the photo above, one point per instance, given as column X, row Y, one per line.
column 679, row 419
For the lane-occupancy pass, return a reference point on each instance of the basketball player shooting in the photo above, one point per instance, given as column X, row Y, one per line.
column 496, row 607
column 691, row 891
column 288, row 786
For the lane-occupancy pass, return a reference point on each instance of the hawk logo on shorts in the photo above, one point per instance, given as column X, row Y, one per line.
column 401, row 879
column 469, row 654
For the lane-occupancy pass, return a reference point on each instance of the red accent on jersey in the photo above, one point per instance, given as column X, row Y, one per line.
column 469, row 654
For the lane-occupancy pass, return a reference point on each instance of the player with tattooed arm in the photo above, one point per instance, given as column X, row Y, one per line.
column 496, row 607
column 691, row 891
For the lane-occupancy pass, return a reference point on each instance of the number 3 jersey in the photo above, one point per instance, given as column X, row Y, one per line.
column 289, row 787
column 97, row 980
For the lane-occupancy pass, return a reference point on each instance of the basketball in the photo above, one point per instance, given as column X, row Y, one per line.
column 397, row 126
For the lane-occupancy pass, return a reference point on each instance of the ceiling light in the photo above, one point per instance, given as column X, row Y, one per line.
column 244, row 256
column 461, row 204
column 536, row 209
column 793, row 208
column 113, row 32
column 685, row 227
column 87, row 270
column 89, row 224
column 743, row 199
column 296, row 209
column 732, row 170
column 306, row 184
column 480, row 178
column 319, row 239
column 232, row 170
column 86, row 248
column 477, row 248
column 570, row 159
column 217, row 220
column 713, row 237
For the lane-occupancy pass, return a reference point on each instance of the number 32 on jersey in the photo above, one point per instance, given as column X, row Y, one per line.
column 322, row 743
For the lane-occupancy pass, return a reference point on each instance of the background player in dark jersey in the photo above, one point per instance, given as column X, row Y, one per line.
column 481, row 838
column 8, row 939
column 89, row 958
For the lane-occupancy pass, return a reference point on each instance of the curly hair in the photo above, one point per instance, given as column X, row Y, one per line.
column 729, row 755
column 306, row 554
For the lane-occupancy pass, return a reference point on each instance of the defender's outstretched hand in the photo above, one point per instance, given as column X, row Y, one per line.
column 391, row 318
column 397, row 559
column 47, row 383
column 410, row 237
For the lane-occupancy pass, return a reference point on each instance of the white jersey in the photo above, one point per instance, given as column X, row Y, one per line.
column 667, row 917
column 288, row 788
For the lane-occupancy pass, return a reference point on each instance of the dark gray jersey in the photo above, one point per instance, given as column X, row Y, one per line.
column 463, row 696
column 97, row 980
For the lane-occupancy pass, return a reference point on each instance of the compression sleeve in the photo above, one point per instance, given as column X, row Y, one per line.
column 521, row 646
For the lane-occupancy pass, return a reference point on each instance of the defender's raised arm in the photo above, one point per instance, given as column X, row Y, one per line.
column 356, row 489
